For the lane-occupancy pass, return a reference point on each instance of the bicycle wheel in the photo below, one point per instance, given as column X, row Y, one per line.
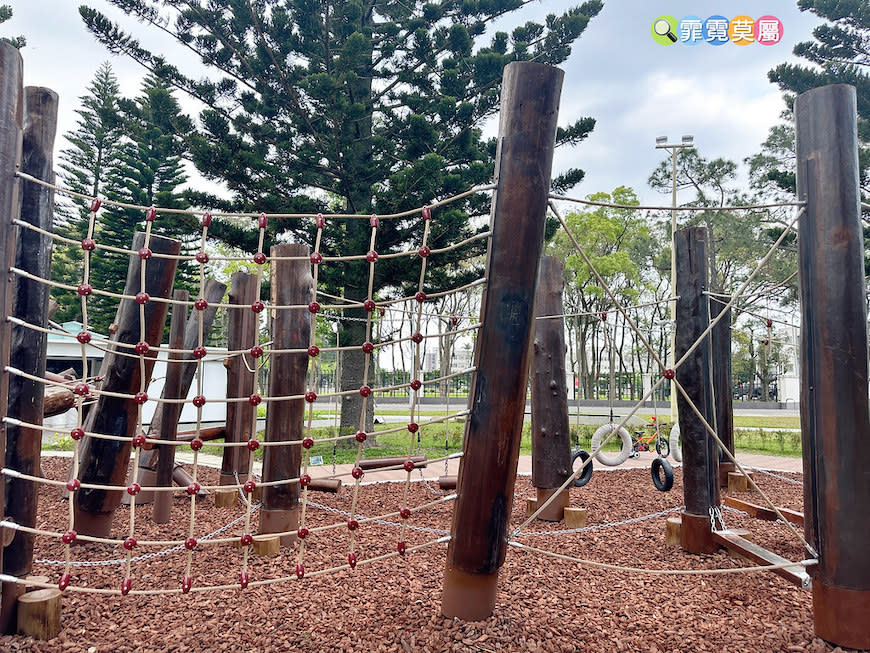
column 662, row 474
column 586, row 474
column 663, row 448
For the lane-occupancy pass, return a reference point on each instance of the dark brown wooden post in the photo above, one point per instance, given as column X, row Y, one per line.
column 105, row 462
column 835, row 417
column 11, row 121
column 30, row 303
column 700, row 451
column 529, row 110
column 291, row 329
column 243, row 322
column 164, row 424
column 551, row 446
column 723, row 400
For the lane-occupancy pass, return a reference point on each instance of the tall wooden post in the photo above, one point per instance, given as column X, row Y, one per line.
column 723, row 400
column 551, row 446
column 167, row 428
column 105, row 462
column 835, row 417
column 291, row 329
column 529, row 110
column 30, row 303
column 11, row 121
column 700, row 451
column 243, row 322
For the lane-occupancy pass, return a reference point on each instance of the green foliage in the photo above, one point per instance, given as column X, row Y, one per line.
column 375, row 106
column 6, row 14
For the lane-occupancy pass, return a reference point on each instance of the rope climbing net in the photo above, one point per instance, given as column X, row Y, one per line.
column 318, row 524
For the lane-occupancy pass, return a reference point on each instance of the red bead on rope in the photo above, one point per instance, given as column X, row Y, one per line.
column 311, row 396
column 142, row 297
column 357, row 472
column 373, row 220
column 77, row 433
column 258, row 306
column 145, row 253
column 769, row 323
column 305, row 480
column 302, row 533
column 200, row 304
column 196, row 444
column 365, row 391
column 320, row 221
column 401, row 547
column 133, row 489
column 201, row 257
column 416, row 384
column 249, row 487
column 604, row 316
column 206, row 219
column 83, row 337
column 420, row 297
column 368, row 347
column 126, row 586
column 405, row 513
column 259, row 258
column 95, row 204
column 314, row 307
column 371, row 256
column 313, row 351
column 84, row 289
column 193, row 488
column 81, row 389
column 63, row 582
column 139, row 440
column 417, row 337
column 256, row 351
column 413, row 427
column 244, row 579
column 424, row 251
column 253, row 444
column 140, row 398
column 352, row 524
column 669, row 374
column 361, row 436
column 142, row 347
column 454, row 320
column 88, row 244
column 190, row 543
column 307, row 442
column 69, row 537
column 247, row 539
column 261, row 221
column 255, row 399
column 73, row 484
column 199, row 401
column 186, row 584
column 427, row 213
column 408, row 465
column 300, row 571
column 352, row 560
column 369, row 305
column 130, row 543
column 151, row 214
column 316, row 258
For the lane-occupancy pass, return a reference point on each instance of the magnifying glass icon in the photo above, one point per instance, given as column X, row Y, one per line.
column 663, row 28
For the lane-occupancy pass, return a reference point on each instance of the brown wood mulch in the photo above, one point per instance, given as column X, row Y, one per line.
column 543, row 604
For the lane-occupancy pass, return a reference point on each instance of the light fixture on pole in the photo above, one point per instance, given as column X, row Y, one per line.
column 662, row 144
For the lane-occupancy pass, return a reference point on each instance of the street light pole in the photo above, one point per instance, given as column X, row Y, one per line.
column 662, row 144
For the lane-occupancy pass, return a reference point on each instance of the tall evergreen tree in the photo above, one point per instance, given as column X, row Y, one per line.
column 86, row 168
column 365, row 106
column 840, row 54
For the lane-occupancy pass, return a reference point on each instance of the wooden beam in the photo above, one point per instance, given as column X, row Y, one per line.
column 736, row 543
column 762, row 512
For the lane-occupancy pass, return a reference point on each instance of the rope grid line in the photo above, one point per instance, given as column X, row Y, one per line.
column 85, row 393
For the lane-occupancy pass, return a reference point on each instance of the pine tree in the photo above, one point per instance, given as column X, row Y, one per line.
column 85, row 167
column 840, row 55
column 363, row 106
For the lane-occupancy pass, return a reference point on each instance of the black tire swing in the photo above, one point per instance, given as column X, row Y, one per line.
column 662, row 474
column 586, row 474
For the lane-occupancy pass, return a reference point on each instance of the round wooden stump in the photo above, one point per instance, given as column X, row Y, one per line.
column 225, row 498
column 39, row 613
column 673, row 531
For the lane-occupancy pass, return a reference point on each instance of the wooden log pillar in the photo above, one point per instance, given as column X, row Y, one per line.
column 105, row 462
column 291, row 329
column 30, row 304
column 722, row 395
column 700, row 451
column 11, row 125
column 835, row 417
column 551, row 446
column 166, row 416
column 243, row 323
column 529, row 110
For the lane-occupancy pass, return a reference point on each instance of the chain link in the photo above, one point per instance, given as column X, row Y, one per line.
column 716, row 515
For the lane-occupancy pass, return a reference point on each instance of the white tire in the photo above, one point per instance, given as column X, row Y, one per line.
column 674, row 441
column 609, row 459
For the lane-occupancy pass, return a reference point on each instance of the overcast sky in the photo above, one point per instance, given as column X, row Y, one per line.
column 635, row 88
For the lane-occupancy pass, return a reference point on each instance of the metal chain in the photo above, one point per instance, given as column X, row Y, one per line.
column 598, row 527
column 146, row 556
column 716, row 515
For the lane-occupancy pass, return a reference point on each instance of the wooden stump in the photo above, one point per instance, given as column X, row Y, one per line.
column 225, row 498
column 673, row 531
column 531, row 506
column 267, row 546
column 736, row 482
column 575, row 517
column 39, row 613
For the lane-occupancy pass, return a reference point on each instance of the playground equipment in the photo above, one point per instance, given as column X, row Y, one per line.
column 480, row 534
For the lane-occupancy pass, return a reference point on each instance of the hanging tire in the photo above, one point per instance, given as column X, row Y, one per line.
column 674, row 441
column 662, row 446
column 586, row 474
column 603, row 432
column 662, row 474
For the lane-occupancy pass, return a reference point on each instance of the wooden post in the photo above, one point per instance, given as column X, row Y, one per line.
column 105, row 462
column 700, row 452
column 11, row 121
column 30, row 303
column 243, row 322
column 551, row 446
column 835, row 417
column 39, row 613
column 529, row 110
column 291, row 329
column 167, row 422
column 723, row 401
